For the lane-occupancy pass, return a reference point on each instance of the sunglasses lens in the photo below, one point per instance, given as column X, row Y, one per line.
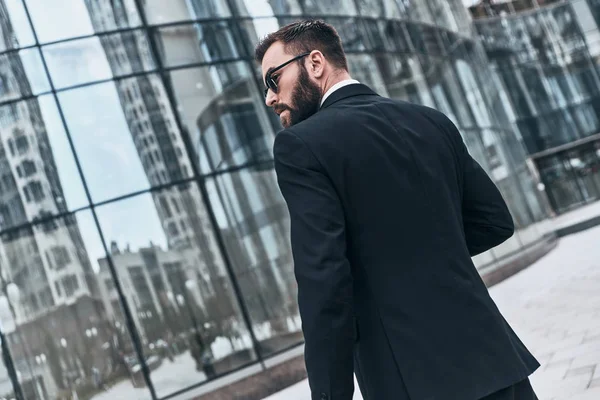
column 270, row 85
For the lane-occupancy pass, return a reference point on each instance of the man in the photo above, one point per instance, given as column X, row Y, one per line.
column 387, row 207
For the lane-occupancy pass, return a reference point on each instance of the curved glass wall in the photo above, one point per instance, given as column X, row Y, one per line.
column 144, row 244
column 548, row 62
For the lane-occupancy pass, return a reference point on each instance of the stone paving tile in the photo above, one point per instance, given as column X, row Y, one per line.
column 563, row 294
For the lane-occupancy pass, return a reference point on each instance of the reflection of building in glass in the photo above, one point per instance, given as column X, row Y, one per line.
column 160, row 146
column 228, row 133
column 547, row 56
column 47, row 262
column 157, row 284
column 196, row 230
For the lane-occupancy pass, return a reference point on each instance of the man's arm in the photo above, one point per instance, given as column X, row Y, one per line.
column 486, row 219
column 321, row 268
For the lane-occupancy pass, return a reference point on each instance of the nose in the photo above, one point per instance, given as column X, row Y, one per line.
column 271, row 98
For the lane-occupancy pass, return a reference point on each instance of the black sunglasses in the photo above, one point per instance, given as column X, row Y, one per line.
column 270, row 82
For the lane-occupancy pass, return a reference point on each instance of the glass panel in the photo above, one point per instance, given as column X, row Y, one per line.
column 199, row 43
column 363, row 68
column 126, row 136
column 38, row 175
column 16, row 28
column 61, row 338
column 331, row 7
column 98, row 58
column 254, row 221
column 561, row 185
column 268, row 8
column 72, row 18
column 65, row 19
column 371, row 8
column 166, row 256
column 22, row 74
column 351, row 32
column 161, row 12
column 257, row 28
column 394, row 36
column 404, row 79
column 223, row 112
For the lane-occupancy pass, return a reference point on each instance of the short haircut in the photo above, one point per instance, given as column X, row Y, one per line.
column 306, row 36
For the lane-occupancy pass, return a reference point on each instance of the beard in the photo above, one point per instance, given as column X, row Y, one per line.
column 306, row 99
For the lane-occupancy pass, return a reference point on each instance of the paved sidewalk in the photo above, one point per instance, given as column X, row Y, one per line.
column 554, row 306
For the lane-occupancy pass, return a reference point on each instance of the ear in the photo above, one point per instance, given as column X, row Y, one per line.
column 316, row 64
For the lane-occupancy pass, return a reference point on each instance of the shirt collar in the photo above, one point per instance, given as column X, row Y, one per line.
column 337, row 86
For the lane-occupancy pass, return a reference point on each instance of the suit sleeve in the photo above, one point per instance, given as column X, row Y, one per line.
column 321, row 268
column 486, row 219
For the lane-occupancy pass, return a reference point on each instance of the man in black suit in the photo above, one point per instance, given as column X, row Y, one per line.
column 387, row 207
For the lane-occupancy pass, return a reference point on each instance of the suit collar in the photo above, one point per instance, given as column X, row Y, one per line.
column 347, row 91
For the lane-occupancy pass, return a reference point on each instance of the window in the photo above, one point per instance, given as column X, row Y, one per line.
column 57, row 287
column 172, row 228
column 176, row 206
column 27, row 195
column 46, row 298
column 49, row 259
column 61, row 257
column 70, row 284
column 19, row 172
column 165, row 206
column 36, row 191
column 3, row 85
column 28, row 168
column 11, row 147
column 21, row 143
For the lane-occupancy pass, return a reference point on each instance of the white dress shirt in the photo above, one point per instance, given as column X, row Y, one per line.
column 337, row 86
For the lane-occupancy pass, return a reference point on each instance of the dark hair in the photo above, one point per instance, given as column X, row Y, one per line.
column 305, row 36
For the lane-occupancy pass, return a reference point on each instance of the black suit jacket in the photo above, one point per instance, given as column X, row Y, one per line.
column 387, row 207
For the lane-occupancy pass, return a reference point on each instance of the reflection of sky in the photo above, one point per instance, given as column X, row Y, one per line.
column 261, row 8
column 105, row 147
column 73, row 63
column 133, row 222
column 64, row 19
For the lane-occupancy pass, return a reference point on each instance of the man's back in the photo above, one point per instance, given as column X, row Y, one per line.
column 387, row 208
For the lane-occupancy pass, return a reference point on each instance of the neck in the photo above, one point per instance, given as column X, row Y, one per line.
column 334, row 78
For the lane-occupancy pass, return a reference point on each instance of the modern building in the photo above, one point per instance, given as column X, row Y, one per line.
column 144, row 244
column 547, row 57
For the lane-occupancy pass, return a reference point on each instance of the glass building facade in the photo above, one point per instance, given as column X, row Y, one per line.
column 144, row 244
column 547, row 55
